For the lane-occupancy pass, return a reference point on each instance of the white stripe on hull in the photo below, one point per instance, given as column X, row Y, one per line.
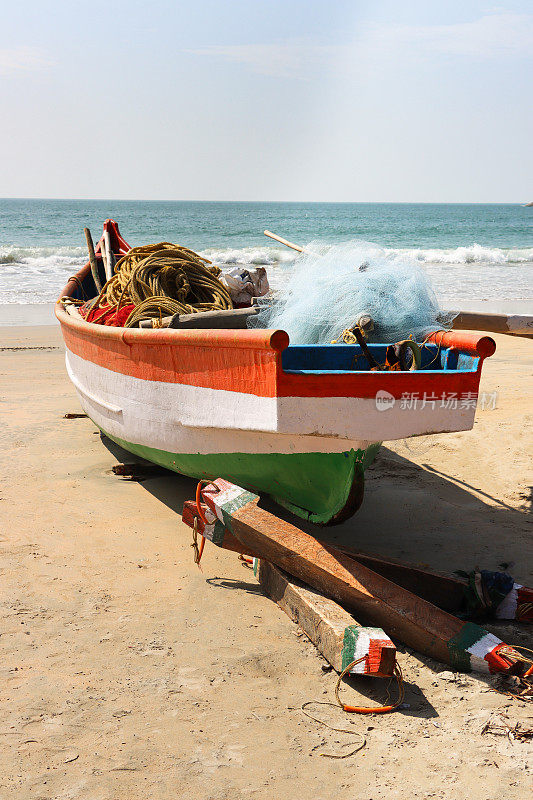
column 149, row 417
column 191, row 419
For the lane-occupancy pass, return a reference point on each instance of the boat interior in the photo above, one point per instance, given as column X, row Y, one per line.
column 309, row 359
column 300, row 359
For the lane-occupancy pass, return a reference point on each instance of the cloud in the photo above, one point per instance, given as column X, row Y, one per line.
column 487, row 37
column 490, row 36
column 279, row 59
column 22, row 59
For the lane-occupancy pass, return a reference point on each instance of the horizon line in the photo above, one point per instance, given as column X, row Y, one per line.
column 294, row 202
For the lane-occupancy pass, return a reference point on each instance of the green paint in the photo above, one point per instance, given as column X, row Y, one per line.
column 228, row 509
column 351, row 634
column 218, row 533
column 469, row 634
column 315, row 486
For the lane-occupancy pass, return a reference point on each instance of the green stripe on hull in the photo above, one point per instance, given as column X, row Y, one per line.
column 315, row 486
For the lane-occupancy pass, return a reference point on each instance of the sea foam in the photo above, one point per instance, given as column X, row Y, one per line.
column 37, row 274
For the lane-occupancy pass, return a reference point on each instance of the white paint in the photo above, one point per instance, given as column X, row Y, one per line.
column 362, row 647
column 90, row 396
column 480, row 649
column 191, row 419
column 226, row 496
column 509, row 604
column 354, row 417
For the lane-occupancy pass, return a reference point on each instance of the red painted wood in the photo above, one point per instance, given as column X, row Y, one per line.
column 471, row 343
column 238, row 361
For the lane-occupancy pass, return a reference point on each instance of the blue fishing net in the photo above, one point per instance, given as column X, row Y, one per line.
column 330, row 287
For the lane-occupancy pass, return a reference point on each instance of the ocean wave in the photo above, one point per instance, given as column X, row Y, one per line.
column 254, row 256
column 472, row 254
column 37, row 274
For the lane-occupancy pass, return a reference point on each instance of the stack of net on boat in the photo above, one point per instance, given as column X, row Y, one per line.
column 330, row 288
column 155, row 281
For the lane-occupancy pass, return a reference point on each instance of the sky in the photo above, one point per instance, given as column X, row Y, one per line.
column 306, row 100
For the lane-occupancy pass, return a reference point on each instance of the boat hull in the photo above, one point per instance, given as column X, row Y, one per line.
column 323, row 488
column 204, row 432
column 299, row 424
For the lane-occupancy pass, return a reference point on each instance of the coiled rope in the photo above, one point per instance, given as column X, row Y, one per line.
column 162, row 279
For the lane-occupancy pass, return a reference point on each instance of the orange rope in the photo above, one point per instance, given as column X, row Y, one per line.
column 198, row 501
column 199, row 550
column 371, row 709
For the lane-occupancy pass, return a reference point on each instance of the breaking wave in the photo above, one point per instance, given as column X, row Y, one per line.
column 37, row 274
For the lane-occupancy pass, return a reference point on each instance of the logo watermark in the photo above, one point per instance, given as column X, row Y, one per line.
column 453, row 401
column 384, row 400
column 418, row 401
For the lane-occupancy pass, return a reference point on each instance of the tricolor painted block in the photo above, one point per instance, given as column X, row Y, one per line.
column 333, row 631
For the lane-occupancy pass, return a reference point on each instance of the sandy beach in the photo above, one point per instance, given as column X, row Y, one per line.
column 129, row 673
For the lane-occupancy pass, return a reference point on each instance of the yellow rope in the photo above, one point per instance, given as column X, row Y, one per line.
column 163, row 278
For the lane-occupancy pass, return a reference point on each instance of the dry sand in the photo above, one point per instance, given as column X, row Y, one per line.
column 127, row 673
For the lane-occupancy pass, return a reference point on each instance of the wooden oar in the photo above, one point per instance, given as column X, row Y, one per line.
column 284, row 241
column 92, row 260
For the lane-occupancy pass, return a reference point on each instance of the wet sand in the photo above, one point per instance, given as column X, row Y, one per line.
column 127, row 673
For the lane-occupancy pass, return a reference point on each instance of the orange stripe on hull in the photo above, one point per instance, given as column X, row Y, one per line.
column 245, row 361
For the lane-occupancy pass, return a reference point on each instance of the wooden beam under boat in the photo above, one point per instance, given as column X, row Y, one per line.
column 333, row 631
column 375, row 599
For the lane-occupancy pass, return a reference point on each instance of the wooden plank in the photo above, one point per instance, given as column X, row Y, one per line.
column 375, row 599
column 445, row 591
column 333, row 631
column 284, row 241
column 514, row 324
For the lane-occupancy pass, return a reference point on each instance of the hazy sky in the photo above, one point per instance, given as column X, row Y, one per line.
column 267, row 100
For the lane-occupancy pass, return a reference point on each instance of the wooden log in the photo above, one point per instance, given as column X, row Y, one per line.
column 442, row 590
column 376, row 600
column 513, row 324
column 333, row 631
column 233, row 319
column 92, row 260
column 445, row 591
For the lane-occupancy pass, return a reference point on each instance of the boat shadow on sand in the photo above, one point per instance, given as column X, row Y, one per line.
column 413, row 513
column 410, row 512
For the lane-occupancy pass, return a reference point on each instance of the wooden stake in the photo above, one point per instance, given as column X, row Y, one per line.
column 92, row 260
column 284, row 241
column 111, row 261
column 103, row 251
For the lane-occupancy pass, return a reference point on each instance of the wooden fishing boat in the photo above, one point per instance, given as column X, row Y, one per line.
column 299, row 423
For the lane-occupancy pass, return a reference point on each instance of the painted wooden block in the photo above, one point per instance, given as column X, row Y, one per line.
column 333, row 631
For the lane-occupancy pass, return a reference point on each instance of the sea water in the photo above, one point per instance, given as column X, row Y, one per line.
column 471, row 253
